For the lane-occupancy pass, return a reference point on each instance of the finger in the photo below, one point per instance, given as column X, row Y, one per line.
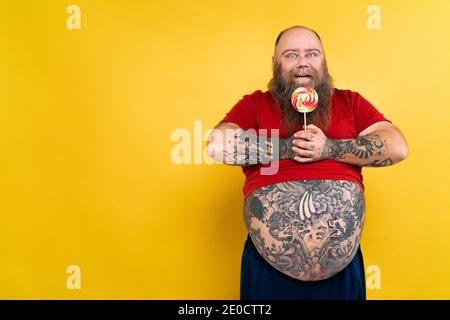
column 308, row 136
column 300, row 143
column 302, row 159
column 303, row 153
column 312, row 128
column 303, row 144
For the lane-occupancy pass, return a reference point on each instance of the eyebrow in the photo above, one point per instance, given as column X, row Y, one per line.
column 296, row 50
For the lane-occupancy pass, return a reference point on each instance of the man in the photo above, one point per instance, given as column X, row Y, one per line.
column 305, row 217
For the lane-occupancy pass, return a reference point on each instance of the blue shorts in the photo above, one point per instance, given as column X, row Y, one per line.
column 259, row 281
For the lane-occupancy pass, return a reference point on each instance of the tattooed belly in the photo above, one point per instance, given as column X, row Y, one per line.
column 307, row 229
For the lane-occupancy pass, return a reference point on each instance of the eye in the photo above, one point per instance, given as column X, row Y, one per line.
column 291, row 55
column 311, row 54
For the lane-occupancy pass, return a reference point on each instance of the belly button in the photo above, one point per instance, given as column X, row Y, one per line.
column 309, row 238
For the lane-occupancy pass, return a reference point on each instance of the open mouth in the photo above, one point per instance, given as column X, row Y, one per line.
column 302, row 77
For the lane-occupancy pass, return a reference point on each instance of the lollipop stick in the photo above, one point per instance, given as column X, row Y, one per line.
column 304, row 120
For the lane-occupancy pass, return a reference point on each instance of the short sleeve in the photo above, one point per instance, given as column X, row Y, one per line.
column 243, row 113
column 365, row 113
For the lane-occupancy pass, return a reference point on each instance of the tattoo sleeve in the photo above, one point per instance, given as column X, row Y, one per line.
column 246, row 147
column 370, row 151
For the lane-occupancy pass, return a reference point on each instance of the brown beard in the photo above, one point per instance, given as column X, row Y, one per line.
column 281, row 91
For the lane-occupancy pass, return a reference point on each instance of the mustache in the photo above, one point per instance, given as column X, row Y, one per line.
column 303, row 73
column 284, row 87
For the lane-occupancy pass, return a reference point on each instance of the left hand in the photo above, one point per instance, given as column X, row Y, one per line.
column 308, row 146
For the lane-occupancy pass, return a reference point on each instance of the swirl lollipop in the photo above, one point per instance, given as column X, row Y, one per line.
column 304, row 100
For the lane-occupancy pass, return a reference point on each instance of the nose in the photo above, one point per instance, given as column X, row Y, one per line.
column 302, row 62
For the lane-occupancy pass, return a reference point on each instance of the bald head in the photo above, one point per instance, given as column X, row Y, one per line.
column 296, row 27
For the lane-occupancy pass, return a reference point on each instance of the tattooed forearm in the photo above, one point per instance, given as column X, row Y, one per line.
column 308, row 229
column 370, row 150
column 380, row 163
column 245, row 147
column 285, row 147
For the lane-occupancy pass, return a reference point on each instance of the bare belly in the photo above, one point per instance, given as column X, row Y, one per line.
column 307, row 229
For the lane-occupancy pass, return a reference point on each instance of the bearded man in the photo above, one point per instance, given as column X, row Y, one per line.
column 304, row 219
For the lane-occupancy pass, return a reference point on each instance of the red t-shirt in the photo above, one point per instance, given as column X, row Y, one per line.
column 351, row 113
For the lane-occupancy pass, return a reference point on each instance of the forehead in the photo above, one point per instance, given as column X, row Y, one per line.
column 298, row 39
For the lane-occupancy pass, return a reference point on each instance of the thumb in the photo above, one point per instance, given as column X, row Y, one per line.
column 312, row 128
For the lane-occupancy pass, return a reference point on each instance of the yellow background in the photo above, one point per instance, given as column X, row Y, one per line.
column 86, row 118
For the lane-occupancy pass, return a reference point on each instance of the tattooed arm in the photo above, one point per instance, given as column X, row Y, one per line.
column 230, row 144
column 379, row 145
